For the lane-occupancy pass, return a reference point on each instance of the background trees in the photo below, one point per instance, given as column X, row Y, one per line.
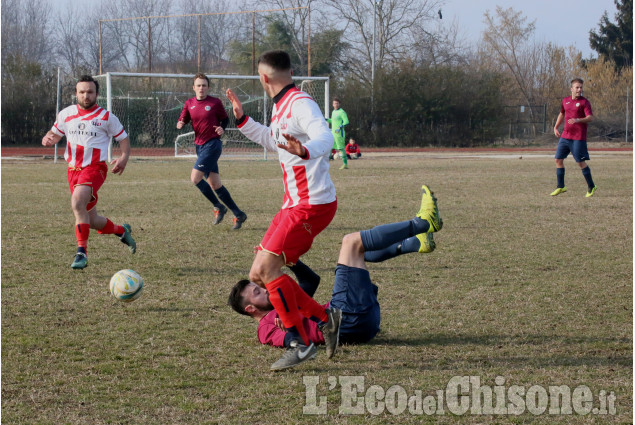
column 430, row 87
column 614, row 41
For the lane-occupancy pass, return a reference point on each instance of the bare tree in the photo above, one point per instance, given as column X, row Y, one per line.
column 25, row 30
column 439, row 44
column 509, row 43
column 399, row 24
column 296, row 21
column 69, row 32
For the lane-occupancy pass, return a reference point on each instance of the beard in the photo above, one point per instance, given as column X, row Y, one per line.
column 87, row 104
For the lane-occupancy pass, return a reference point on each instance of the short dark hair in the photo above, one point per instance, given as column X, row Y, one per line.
column 577, row 80
column 89, row 79
column 337, row 99
column 279, row 60
column 236, row 300
column 201, row 76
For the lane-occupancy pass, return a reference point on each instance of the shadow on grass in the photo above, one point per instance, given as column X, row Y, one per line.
column 584, row 351
column 495, row 340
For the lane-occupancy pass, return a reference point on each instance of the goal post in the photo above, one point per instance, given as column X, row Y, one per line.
column 149, row 105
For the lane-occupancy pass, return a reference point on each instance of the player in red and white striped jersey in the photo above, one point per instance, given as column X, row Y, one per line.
column 88, row 129
column 300, row 135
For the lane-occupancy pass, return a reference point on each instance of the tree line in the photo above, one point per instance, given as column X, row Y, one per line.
column 431, row 87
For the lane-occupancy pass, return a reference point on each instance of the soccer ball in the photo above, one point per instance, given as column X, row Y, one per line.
column 126, row 285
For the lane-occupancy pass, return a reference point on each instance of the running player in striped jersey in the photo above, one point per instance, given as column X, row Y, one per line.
column 88, row 129
column 300, row 135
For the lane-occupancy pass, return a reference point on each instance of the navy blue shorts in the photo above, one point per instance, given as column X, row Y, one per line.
column 356, row 296
column 577, row 148
column 207, row 156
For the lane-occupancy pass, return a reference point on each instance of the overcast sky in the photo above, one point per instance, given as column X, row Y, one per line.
column 563, row 22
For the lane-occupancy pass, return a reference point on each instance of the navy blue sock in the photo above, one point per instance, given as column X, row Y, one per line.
column 586, row 172
column 307, row 278
column 224, row 196
column 292, row 335
column 383, row 236
column 404, row 247
column 206, row 190
column 560, row 176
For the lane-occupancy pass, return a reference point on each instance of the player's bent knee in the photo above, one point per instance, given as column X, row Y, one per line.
column 353, row 242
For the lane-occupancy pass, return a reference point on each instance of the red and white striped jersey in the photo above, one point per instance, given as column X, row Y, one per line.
column 306, row 181
column 88, row 134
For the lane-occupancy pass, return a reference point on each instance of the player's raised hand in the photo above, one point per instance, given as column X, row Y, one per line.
column 293, row 146
column 236, row 105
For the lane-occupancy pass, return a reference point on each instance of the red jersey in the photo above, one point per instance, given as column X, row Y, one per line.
column 205, row 115
column 575, row 108
column 88, row 133
column 269, row 333
column 352, row 148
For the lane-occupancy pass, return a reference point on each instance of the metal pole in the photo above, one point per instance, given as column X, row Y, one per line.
column 327, row 96
column 253, row 44
column 199, row 43
column 149, row 46
column 372, row 72
column 57, row 109
column 309, row 50
column 264, row 117
column 100, row 48
column 109, row 108
column 626, row 135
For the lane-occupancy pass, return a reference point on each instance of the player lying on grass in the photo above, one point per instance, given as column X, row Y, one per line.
column 353, row 291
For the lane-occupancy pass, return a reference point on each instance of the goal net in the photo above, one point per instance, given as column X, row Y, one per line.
column 149, row 105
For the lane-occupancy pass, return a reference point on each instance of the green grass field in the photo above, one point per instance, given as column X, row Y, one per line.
column 534, row 289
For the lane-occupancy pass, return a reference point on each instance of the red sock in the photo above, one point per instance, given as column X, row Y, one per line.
column 282, row 297
column 111, row 228
column 81, row 233
column 309, row 308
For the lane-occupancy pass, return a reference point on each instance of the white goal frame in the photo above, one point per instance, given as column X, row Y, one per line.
column 265, row 99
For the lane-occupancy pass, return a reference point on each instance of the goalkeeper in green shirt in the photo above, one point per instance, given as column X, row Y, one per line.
column 338, row 120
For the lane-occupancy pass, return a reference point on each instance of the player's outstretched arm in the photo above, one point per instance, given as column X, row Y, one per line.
column 119, row 164
column 50, row 139
column 237, row 106
column 293, row 146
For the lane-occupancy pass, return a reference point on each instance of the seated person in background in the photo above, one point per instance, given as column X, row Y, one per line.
column 353, row 291
column 352, row 149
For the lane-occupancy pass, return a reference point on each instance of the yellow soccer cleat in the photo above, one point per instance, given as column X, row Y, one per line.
column 558, row 191
column 427, row 242
column 429, row 210
column 591, row 192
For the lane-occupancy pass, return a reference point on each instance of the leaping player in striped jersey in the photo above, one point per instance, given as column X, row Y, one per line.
column 88, row 129
column 300, row 135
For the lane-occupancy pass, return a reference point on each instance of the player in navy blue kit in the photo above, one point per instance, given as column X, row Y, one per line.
column 209, row 121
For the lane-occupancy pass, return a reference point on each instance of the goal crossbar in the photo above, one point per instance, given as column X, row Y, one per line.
column 259, row 101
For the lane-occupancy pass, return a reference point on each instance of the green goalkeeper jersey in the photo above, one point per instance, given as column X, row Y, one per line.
column 338, row 120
